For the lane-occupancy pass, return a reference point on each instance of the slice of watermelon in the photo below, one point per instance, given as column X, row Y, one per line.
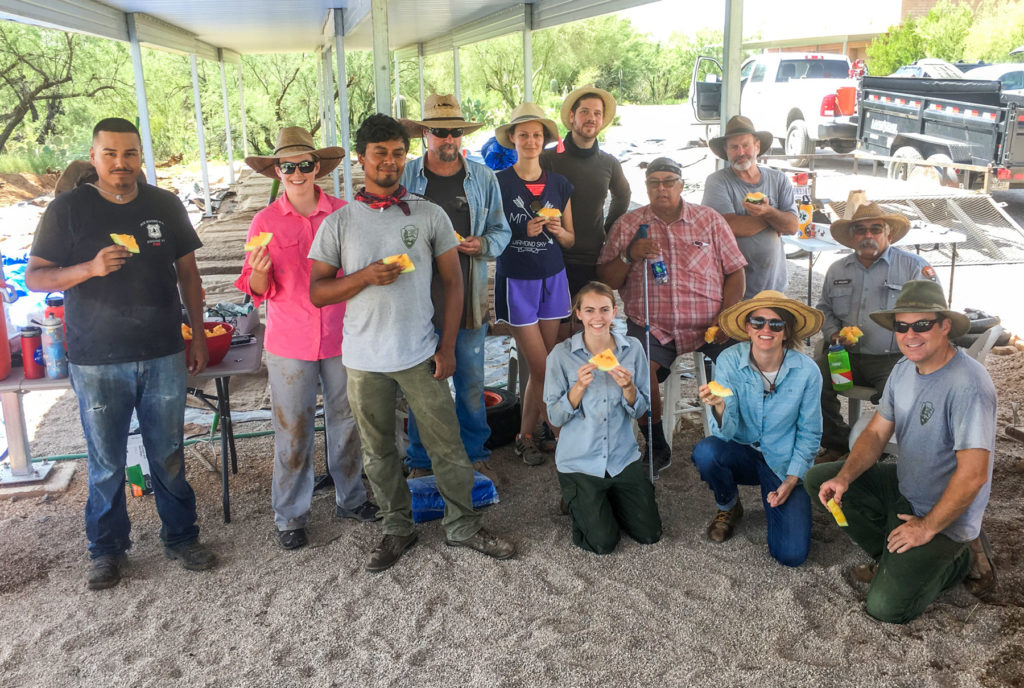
column 605, row 360
column 261, row 239
column 403, row 260
column 126, row 240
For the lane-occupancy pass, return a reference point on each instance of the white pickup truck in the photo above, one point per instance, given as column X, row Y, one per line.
column 792, row 95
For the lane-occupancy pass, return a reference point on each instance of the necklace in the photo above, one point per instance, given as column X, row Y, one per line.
column 769, row 381
column 120, row 198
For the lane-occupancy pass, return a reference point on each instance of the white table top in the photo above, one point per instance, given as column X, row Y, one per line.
column 918, row 235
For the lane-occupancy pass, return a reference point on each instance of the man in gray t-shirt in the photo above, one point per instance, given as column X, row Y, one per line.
column 390, row 341
column 757, row 226
column 921, row 518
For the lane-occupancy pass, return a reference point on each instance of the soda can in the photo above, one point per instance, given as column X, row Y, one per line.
column 54, row 353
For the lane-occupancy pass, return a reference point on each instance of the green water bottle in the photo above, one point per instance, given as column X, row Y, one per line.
column 839, row 367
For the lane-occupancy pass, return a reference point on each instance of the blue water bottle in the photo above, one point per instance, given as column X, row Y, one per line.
column 54, row 353
column 658, row 268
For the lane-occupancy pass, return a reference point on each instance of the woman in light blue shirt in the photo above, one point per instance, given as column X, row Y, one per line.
column 602, row 478
column 767, row 431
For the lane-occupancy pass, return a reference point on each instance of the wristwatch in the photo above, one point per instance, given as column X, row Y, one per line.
column 624, row 257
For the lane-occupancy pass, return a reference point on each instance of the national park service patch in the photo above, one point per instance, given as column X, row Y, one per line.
column 409, row 235
column 927, row 411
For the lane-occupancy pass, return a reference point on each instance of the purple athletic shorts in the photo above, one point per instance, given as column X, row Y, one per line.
column 524, row 302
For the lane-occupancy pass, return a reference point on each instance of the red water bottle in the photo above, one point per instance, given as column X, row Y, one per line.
column 32, row 352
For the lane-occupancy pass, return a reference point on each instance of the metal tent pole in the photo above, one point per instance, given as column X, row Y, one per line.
column 208, row 209
column 339, row 52
column 140, row 97
column 227, row 118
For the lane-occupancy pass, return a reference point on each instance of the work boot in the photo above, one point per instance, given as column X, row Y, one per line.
column 981, row 578
column 105, row 572
column 865, row 573
column 830, row 455
column 485, row 543
column 420, row 472
column 367, row 512
column 390, row 550
column 292, row 539
column 484, row 468
column 720, row 529
column 191, row 555
column 526, row 449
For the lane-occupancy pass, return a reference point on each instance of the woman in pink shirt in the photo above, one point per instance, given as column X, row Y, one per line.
column 303, row 342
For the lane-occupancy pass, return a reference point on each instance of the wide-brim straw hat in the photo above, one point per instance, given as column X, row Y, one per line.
column 527, row 112
column 440, row 112
column 734, row 318
column 737, row 126
column 590, row 90
column 898, row 224
column 296, row 141
column 923, row 296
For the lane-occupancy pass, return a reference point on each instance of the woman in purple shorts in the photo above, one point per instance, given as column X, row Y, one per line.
column 531, row 292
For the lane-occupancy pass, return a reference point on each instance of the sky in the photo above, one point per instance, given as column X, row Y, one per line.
column 772, row 18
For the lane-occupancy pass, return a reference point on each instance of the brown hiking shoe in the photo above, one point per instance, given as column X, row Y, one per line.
column 390, row 550
column 720, row 529
column 420, row 472
column 830, row 455
column 981, row 579
column 526, row 449
column 865, row 573
column 485, row 543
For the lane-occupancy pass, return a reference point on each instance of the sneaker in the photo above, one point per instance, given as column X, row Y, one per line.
column 367, row 512
column 192, row 555
column 981, row 578
column 546, row 439
column 720, row 529
column 485, row 543
column 526, row 449
column 420, row 472
column 390, row 550
column 105, row 572
column 292, row 539
column 865, row 573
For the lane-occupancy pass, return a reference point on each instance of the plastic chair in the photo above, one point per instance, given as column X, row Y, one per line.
column 674, row 406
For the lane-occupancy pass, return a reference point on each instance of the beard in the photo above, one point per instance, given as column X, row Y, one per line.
column 741, row 164
column 448, row 153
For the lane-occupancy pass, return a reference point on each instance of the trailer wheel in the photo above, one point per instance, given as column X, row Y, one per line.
column 943, row 176
column 799, row 143
column 843, row 146
column 906, row 160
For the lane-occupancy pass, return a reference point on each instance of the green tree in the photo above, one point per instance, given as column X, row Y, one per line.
column 899, row 46
column 944, row 30
column 998, row 28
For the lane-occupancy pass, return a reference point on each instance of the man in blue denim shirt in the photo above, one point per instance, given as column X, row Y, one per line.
column 469, row 194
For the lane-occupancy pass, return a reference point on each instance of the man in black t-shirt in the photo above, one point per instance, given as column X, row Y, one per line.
column 126, row 353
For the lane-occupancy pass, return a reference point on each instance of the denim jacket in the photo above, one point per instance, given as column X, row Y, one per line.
column 486, row 221
column 784, row 426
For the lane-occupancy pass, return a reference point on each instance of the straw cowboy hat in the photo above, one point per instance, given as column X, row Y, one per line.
column 734, row 318
column 296, row 141
column 898, row 224
column 440, row 112
column 737, row 126
column 590, row 90
column 923, row 296
column 527, row 112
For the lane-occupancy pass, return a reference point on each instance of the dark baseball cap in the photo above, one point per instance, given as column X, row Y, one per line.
column 664, row 165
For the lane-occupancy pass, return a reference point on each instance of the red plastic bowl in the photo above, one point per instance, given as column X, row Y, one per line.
column 217, row 345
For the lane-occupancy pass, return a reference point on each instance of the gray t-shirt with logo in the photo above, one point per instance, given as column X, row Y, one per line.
column 766, row 258
column 387, row 328
column 937, row 415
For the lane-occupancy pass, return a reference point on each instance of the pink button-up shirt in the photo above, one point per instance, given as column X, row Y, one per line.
column 295, row 327
column 699, row 251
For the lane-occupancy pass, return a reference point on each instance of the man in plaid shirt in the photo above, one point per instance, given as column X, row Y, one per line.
column 705, row 275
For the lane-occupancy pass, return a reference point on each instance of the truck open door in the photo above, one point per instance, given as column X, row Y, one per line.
column 706, row 89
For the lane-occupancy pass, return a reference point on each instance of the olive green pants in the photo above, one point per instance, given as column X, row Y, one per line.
column 372, row 397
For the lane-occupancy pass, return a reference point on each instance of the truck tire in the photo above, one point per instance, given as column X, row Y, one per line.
column 503, row 415
column 944, row 176
column 907, row 158
column 799, row 143
column 843, row 146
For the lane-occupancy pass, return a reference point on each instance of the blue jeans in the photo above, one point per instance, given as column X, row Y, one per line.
column 107, row 395
column 469, row 402
column 724, row 465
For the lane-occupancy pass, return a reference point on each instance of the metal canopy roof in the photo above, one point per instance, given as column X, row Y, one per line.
column 263, row 26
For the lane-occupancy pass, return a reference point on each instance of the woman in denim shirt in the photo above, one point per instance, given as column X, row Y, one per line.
column 602, row 478
column 768, row 429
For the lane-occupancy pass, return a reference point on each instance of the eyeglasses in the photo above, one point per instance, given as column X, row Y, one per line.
column 663, row 183
column 919, row 326
column 873, row 229
column 305, row 167
column 445, row 133
column 775, row 324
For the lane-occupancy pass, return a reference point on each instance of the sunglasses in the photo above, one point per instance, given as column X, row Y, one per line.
column 873, row 229
column 664, row 183
column 305, row 167
column 919, row 326
column 445, row 133
column 775, row 324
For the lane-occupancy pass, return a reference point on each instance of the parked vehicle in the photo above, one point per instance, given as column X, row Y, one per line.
column 1010, row 75
column 795, row 96
column 930, row 68
column 921, row 121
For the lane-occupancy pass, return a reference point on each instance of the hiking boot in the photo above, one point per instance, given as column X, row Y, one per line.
column 830, row 455
column 367, row 512
column 485, row 543
column 720, row 529
column 526, row 449
column 105, row 572
column 484, row 468
column 865, row 573
column 192, row 555
column 546, row 439
column 981, row 579
column 390, row 550
column 292, row 539
column 420, row 472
